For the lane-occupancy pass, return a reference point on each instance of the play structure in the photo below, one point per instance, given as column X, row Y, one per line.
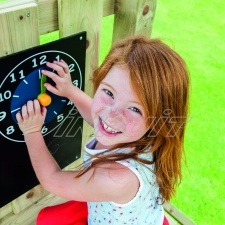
column 21, row 24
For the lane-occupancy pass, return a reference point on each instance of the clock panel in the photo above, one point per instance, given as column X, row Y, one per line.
column 20, row 78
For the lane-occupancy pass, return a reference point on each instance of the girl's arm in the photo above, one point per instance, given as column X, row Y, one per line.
column 64, row 87
column 107, row 182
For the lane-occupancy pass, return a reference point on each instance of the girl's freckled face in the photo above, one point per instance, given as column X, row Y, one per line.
column 104, row 101
column 116, row 110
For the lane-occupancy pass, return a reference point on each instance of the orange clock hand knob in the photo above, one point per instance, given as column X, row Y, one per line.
column 43, row 98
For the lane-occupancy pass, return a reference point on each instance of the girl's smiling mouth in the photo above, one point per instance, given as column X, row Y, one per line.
column 104, row 128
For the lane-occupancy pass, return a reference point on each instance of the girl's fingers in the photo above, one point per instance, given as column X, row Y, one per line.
column 44, row 112
column 30, row 108
column 24, row 112
column 57, row 68
column 60, row 67
column 49, row 74
column 52, row 89
column 63, row 61
column 62, row 64
column 37, row 107
column 19, row 117
column 54, row 77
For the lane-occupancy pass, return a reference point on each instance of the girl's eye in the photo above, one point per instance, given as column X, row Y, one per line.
column 136, row 110
column 109, row 93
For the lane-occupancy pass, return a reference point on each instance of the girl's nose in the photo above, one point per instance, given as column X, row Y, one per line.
column 113, row 113
column 116, row 113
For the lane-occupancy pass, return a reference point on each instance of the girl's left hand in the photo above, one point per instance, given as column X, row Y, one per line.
column 63, row 83
column 31, row 118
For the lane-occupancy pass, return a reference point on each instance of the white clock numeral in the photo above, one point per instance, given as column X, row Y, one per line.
column 70, row 103
column 44, row 130
column 6, row 95
column 60, row 118
column 13, row 79
column 2, row 115
column 34, row 62
column 57, row 57
column 41, row 61
column 21, row 75
column 10, row 130
column 75, row 83
column 71, row 68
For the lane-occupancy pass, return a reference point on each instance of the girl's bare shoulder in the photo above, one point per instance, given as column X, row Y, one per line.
column 117, row 181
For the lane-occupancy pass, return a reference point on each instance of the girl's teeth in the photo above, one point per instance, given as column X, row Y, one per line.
column 109, row 129
column 105, row 126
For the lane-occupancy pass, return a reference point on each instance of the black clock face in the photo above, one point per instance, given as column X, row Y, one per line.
column 20, row 81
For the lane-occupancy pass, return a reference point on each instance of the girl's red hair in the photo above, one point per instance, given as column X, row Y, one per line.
column 160, row 78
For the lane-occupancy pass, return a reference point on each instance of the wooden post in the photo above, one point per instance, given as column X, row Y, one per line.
column 19, row 31
column 19, row 26
column 133, row 17
column 77, row 16
column 177, row 214
column 48, row 16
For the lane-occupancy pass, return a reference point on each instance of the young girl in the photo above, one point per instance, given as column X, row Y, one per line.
column 133, row 163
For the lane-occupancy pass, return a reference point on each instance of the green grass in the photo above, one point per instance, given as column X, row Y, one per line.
column 196, row 30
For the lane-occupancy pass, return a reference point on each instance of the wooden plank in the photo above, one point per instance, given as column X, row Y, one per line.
column 28, row 215
column 108, row 7
column 77, row 16
column 171, row 220
column 133, row 17
column 7, row 209
column 177, row 214
column 15, row 22
column 28, row 198
column 13, row 3
column 48, row 14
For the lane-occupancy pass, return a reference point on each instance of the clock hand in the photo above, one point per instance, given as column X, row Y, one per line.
column 43, row 80
column 43, row 98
